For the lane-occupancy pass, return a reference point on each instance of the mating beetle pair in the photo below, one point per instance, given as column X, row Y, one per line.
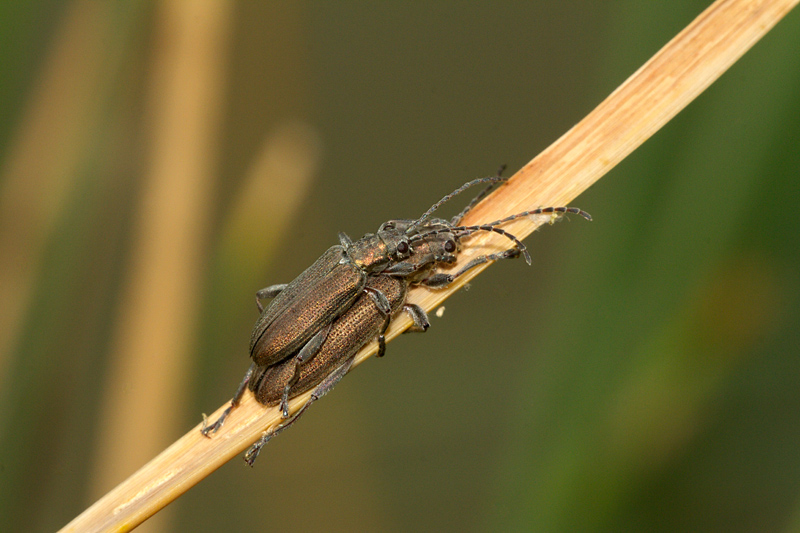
column 308, row 336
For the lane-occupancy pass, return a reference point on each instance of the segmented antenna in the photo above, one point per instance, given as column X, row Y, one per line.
column 543, row 211
column 469, row 230
column 459, row 217
column 434, row 207
column 464, row 231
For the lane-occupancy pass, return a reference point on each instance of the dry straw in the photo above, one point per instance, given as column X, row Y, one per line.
column 631, row 114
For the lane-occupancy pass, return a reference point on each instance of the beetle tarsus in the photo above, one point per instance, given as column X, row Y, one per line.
column 419, row 318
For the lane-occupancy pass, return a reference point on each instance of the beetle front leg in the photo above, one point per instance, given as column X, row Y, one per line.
column 440, row 281
column 268, row 292
column 237, row 397
column 418, row 316
column 385, row 309
column 345, row 240
column 405, row 269
column 321, row 390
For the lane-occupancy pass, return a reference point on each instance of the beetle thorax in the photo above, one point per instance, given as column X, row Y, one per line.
column 369, row 252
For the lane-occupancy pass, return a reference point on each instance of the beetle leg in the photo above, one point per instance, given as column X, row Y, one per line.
column 345, row 240
column 419, row 316
column 403, row 268
column 406, row 268
column 268, row 292
column 305, row 354
column 321, row 390
column 440, row 281
column 237, row 397
column 385, row 308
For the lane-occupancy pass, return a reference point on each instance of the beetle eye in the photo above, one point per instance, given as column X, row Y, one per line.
column 402, row 248
column 450, row 247
column 388, row 225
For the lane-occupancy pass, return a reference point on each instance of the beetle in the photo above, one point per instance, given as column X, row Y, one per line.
column 302, row 315
column 300, row 311
column 369, row 317
column 297, row 322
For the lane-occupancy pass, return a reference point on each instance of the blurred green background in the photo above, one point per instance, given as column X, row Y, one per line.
column 163, row 161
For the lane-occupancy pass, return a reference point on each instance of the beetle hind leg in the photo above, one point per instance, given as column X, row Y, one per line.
column 207, row 430
column 440, row 281
column 305, row 355
column 321, row 390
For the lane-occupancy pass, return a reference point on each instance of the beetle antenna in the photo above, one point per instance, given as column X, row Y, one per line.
column 434, row 207
column 464, row 231
column 543, row 211
column 492, row 226
column 459, row 217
